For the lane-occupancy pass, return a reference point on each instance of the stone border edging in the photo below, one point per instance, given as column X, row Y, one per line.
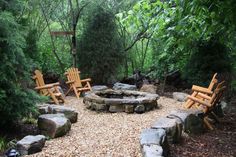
column 155, row 141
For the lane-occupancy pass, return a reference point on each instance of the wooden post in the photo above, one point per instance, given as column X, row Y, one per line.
column 74, row 46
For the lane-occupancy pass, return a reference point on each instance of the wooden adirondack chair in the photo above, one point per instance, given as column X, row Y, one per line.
column 198, row 89
column 75, row 83
column 50, row 90
column 207, row 101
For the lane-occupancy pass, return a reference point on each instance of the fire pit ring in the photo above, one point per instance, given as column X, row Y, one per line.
column 120, row 101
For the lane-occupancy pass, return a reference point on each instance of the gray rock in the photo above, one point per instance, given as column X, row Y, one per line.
column 116, row 108
column 43, row 108
column 218, row 110
column 172, row 126
column 179, row 96
column 223, row 104
column 155, row 137
column 149, row 88
column 152, row 151
column 193, row 124
column 152, row 136
column 30, row 144
column 192, row 119
column 99, row 88
column 140, row 108
column 122, row 86
column 53, row 125
column 99, row 107
column 69, row 113
column 129, row 108
column 151, row 106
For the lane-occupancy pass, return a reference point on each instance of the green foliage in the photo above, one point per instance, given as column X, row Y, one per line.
column 100, row 51
column 175, row 27
column 47, row 60
column 210, row 57
column 3, row 143
column 16, row 100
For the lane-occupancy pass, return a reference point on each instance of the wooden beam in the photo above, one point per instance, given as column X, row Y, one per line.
column 57, row 33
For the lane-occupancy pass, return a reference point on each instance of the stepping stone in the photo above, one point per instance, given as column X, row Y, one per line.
column 192, row 120
column 172, row 126
column 69, row 113
column 179, row 96
column 30, row 144
column 152, row 151
column 54, row 125
column 154, row 138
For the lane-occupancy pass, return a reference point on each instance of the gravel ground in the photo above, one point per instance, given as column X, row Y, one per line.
column 105, row 134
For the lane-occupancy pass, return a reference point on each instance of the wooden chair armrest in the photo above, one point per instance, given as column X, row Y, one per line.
column 54, row 84
column 204, row 96
column 86, row 80
column 44, row 87
column 69, row 82
column 199, row 101
column 34, row 77
column 201, row 89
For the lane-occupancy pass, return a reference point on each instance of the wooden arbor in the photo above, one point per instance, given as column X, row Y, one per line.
column 75, row 83
column 51, row 90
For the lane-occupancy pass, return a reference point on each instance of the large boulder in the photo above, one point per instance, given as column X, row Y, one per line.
column 191, row 118
column 172, row 126
column 122, row 86
column 179, row 96
column 151, row 140
column 54, row 125
column 30, row 144
column 149, row 88
column 69, row 113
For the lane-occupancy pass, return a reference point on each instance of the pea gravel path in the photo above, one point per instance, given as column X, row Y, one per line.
column 104, row 134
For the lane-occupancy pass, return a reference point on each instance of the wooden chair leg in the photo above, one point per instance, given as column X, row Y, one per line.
column 76, row 92
column 53, row 97
column 89, row 86
column 69, row 90
column 215, row 117
column 208, row 125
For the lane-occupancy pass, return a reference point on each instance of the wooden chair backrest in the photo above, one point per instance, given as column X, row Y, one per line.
column 73, row 75
column 213, row 82
column 39, row 81
column 217, row 94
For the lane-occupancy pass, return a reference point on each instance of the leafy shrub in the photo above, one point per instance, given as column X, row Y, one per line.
column 16, row 100
column 209, row 58
column 100, row 52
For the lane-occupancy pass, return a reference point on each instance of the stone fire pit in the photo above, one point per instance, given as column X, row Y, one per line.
column 121, row 101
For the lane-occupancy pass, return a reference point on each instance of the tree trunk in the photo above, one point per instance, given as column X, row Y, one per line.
column 53, row 44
